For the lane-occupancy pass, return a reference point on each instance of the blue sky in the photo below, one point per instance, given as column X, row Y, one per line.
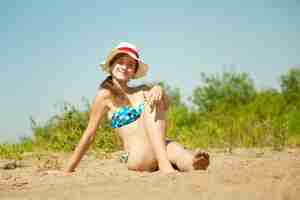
column 50, row 49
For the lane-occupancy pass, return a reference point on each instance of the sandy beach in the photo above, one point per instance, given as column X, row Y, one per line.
column 242, row 174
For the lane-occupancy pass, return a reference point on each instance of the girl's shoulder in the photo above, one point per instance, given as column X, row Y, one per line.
column 107, row 99
column 104, row 93
column 104, row 96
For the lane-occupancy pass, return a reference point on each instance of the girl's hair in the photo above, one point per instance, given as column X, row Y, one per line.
column 108, row 82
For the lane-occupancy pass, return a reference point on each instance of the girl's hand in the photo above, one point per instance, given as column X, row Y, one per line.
column 154, row 96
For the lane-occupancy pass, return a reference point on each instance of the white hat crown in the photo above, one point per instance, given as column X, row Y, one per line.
column 128, row 45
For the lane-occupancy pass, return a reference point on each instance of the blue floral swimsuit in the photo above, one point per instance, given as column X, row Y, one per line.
column 125, row 115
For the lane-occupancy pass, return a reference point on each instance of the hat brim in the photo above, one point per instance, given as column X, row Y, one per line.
column 142, row 69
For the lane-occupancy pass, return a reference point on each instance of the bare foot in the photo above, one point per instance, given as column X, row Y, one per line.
column 200, row 160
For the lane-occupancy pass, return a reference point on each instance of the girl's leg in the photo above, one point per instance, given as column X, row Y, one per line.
column 155, row 125
column 186, row 160
column 141, row 159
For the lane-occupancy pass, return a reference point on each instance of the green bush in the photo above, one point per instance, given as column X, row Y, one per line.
column 228, row 90
column 63, row 131
column 230, row 112
column 290, row 86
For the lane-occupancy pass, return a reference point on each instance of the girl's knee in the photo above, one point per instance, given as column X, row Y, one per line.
column 142, row 166
column 135, row 166
column 141, row 162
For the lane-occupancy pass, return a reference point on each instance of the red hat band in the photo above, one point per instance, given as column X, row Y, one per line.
column 129, row 50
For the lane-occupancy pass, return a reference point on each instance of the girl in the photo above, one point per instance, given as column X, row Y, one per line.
column 137, row 114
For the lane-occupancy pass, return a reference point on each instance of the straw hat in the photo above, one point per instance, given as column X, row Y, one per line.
column 132, row 51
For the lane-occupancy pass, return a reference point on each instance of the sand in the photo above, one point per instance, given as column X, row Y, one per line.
column 243, row 174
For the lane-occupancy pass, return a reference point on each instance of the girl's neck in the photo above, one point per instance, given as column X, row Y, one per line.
column 121, row 85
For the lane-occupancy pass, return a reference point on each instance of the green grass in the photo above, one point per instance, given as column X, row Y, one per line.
column 265, row 119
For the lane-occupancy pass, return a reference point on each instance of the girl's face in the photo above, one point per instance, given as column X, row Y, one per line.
column 124, row 68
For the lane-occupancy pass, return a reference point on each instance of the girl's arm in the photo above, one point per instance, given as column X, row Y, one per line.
column 99, row 108
column 154, row 95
